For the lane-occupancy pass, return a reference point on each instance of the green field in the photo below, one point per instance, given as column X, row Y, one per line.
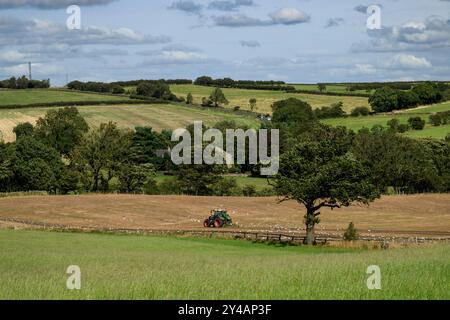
column 26, row 97
column 265, row 99
column 33, row 265
column 334, row 88
column 403, row 116
column 242, row 181
column 158, row 116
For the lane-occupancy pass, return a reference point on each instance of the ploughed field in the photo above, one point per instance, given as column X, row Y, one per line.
column 416, row 215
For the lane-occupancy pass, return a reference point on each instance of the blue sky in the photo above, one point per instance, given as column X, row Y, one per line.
column 306, row 41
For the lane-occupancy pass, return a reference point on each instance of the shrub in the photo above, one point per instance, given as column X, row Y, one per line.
column 189, row 99
column 402, row 128
column 249, row 190
column 225, row 187
column 360, row 111
column 393, row 124
column 335, row 111
column 436, row 120
column 351, row 233
column 416, row 123
column 118, row 90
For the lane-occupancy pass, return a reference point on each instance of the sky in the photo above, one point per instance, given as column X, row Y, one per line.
column 297, row 41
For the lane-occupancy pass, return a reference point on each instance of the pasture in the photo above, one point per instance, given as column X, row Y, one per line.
column 28, row 97
column 332, row 88
column 33, row 265
column 265, row 99
column 157, row 116
column 357, row 123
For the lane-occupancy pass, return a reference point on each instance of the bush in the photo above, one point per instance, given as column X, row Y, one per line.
column 402, row 128
column 393, row 124
column 118, row 90
column 416, row 123
column 436, row 120
column 225, row 187
column 249, row 190
column 351, row 233
column 360, row 111
column 335, row 111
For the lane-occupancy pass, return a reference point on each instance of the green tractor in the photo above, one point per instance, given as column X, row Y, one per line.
column 218, row 219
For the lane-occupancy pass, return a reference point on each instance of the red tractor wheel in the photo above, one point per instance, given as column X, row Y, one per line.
column 218, row 223
column 206, row 223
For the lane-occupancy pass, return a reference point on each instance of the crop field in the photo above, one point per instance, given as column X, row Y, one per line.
column 357, row 123
column 265, row 99
column 414, row 214
column 33, row 265
column 26, row 97
column 157, row 116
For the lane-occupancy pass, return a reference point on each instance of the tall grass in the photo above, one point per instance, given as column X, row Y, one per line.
column 33, row 265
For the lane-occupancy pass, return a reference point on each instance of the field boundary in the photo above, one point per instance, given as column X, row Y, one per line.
column 294, row 238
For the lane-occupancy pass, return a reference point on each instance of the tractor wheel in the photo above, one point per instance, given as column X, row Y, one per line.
column 218, row 223
column 206, row 223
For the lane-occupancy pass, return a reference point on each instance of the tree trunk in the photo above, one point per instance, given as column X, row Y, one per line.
column 310, row 224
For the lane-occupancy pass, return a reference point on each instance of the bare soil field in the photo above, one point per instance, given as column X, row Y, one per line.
column 421, row 215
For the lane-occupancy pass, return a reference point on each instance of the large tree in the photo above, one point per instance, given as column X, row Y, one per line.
column 61, row 129
column 100, row 155
column 319, row 173
column 384, row 100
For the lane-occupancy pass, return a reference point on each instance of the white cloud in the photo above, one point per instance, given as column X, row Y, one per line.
column 28, row 32
column 38, row 69
column 12, row 56
column 49, row 4
column 408, row 61
column 289, row 16
column 363, row 69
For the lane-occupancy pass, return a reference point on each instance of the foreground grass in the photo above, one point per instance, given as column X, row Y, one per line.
column 265, row 99
column 157, row 116
column 33, row 265
column 25, row 97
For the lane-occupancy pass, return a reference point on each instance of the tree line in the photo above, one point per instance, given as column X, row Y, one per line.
column 387, row 99
column 242, row 84
column 24, row 83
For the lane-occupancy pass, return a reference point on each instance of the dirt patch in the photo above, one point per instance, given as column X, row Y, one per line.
column 403, row 215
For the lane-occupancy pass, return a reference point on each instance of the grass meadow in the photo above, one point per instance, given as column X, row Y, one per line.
column 33, row 265
column 265, row 99
column 333, row 88
column 242, row 181
column 357, row 123
column 26, row 97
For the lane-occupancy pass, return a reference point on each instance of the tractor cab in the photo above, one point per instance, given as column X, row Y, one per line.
column 219, row 218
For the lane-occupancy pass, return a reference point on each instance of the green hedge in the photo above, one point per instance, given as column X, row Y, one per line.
column 340, row 94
